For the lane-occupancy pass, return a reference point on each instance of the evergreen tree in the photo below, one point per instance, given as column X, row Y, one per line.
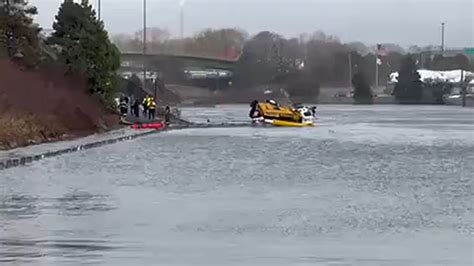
column 362, row 91
column 442, row 63
column 18, row 34
column 409, row 88
column 84, row 45
column 303, row 84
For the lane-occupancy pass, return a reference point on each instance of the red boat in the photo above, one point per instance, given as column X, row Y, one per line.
column 152, row 125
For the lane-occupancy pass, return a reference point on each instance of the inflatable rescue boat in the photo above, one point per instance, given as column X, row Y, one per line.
column 271, row 113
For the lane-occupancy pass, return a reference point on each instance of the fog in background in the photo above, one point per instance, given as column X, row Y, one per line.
column 404, row 22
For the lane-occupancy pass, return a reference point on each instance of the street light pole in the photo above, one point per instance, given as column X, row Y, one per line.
column 144, row 45
column 350, row 68
column 181, row 21
column 377, row 59
column 99, row 9
column 181, row 26
column 442, row 36
column 181, row 18
column 377, row 72
column 463, row 88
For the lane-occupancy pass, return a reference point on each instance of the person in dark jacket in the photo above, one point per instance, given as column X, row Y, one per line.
column 253, row 109
column 136, row 108
column 167, row 115
column 123, row 106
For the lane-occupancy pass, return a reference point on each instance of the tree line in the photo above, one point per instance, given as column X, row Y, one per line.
column 212, row 43
column 301, row 65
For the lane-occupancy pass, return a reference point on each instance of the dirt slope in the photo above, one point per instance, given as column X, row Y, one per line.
column 44, row 105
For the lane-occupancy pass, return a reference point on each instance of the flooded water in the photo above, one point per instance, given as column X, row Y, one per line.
column 377, row 185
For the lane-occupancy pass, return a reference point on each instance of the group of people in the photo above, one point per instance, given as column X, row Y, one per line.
column 147, row 106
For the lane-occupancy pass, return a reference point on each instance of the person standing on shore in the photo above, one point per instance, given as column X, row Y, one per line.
column 136, row 108
column 151, row 109
column 167, row 115
column 146, row 103
column 124, row 106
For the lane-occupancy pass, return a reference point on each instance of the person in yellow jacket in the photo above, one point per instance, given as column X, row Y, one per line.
column 151, row 109
column 145, row 106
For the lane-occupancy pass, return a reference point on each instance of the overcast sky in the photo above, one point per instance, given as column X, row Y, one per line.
column 404, row 22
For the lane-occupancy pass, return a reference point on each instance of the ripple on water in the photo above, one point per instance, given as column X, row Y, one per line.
column 18, row 207
column 80, row 203
column 22, row 250
column 364, row 188
column 14, row 207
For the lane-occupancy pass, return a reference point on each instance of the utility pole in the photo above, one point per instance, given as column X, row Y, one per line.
column 421, row 61
column 156, row 88
column 181, row 26
column 377, row 73
column 99, row 9
column 377, row 53
column 144, row 45
column 442, row 37
column 181, row 21
column 350, row 68
column 463, row 89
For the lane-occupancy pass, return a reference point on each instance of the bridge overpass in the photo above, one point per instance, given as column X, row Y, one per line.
column 201, row 71
column 161, row 62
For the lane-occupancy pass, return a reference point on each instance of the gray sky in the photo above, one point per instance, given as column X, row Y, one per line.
column 396, row 21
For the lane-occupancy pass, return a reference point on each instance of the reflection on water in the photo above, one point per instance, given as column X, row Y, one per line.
column 75, row 203
column 20, row 250
column 368, row 186
column 81, row 203
column 18, row 207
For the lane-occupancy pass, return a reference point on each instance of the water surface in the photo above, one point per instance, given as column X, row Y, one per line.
column 376, row 185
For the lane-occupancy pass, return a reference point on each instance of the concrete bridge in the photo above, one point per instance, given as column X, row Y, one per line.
column 201, row 71
column 161, row 62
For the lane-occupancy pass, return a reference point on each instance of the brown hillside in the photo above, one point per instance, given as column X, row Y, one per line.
column 42, row 105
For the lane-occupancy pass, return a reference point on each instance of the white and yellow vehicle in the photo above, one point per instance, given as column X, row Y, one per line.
column 271, row 113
